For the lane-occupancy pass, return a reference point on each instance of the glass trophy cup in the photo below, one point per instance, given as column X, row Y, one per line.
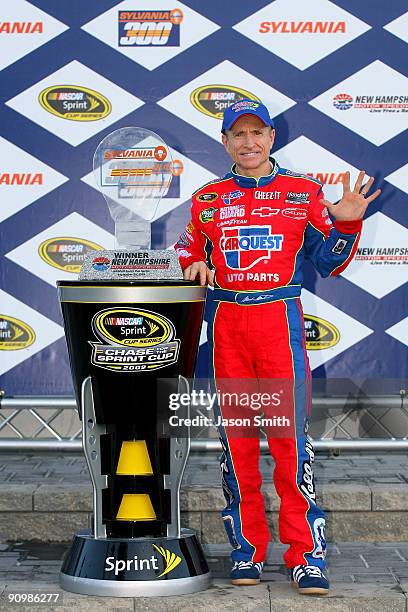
column 133, row 169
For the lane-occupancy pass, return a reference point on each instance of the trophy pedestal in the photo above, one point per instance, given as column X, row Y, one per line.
column 135, row 567
column 132, row 344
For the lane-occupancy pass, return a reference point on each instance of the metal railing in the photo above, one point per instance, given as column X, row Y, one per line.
column 385, row 427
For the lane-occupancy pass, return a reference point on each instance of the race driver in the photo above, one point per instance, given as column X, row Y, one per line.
column 255, row 226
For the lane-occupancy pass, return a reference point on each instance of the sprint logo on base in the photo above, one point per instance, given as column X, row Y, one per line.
column 170, row 561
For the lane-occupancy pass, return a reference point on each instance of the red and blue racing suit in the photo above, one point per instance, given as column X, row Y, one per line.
column 260, row 231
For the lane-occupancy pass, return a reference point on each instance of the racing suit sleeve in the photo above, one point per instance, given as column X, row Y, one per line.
column 329, row 247
column 190, row 246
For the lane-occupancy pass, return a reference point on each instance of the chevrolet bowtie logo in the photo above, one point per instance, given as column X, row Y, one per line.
column 265, row 211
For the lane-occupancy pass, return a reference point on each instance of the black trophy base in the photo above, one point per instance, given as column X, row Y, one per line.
column 137, row 567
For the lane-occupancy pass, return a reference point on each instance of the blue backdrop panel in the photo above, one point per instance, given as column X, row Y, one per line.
column 335, row 76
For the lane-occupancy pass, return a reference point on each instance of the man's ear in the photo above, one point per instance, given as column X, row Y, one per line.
column 225, row 141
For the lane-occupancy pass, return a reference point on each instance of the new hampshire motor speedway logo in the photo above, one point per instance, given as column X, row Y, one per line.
column 243, row 247
column 372, row 103
column 152, row 28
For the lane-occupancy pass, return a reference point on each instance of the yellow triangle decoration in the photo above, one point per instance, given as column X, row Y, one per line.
column 134, row 459
column 136, row 507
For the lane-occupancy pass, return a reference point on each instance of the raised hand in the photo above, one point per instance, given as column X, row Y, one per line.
column 353, row 204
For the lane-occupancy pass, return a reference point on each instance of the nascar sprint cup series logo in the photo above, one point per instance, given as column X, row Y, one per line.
column 133, row 340
column 75, row 103
column 67, row 253
column 15, row 334
column 212, row 100
column 158, row 28
column 243, row 247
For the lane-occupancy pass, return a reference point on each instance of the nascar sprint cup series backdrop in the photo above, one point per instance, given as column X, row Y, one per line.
column 334, row 75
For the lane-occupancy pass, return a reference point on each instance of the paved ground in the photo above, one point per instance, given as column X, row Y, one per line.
column 365, row 577
column 369, row 469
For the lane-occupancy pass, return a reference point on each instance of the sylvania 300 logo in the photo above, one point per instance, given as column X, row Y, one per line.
column 133, row 340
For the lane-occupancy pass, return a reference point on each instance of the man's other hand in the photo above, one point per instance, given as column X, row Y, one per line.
column 199, row 269
column 353, row 204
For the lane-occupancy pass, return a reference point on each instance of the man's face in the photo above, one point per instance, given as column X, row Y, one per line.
column 249, row 142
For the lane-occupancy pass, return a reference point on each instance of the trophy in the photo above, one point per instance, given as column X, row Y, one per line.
column 132, row 326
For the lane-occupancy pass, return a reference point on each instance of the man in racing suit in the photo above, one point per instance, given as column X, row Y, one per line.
column 260, row 222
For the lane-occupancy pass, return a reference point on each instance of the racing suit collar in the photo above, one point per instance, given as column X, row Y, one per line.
column 250, row 181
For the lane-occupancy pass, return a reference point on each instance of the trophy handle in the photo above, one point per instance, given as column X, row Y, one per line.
column 91, row 442
column 179, row 450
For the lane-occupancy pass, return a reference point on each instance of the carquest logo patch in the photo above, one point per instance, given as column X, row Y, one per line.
column 15, row 334
column 75, row 103
column 133, row 340
column 66, row 253
column 243, row 247
column 320, row 334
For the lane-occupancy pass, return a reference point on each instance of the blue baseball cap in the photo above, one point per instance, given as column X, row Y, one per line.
column 245, row 107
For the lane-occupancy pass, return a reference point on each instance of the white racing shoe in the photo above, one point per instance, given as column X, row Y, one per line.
column 309, row 579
